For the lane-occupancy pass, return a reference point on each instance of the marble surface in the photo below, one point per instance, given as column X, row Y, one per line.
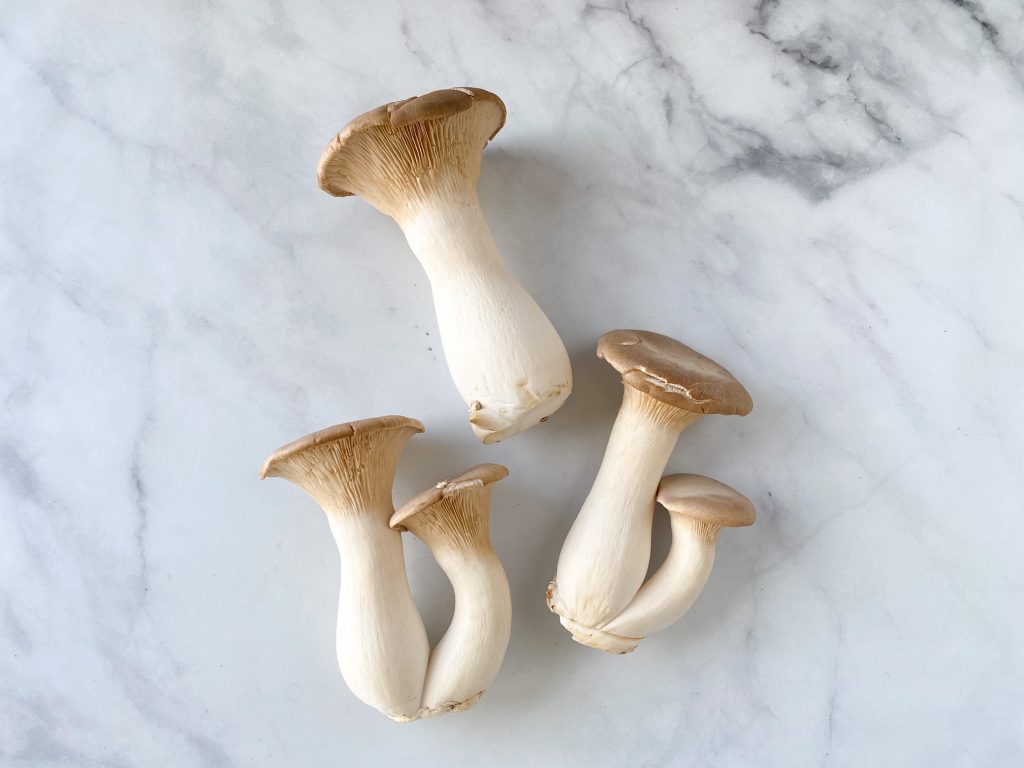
column 827, row 197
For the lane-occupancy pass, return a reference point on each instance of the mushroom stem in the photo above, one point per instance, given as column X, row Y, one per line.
column 675, row 586
column 606, row 553
column 452, row 520
column 469, row 655
column 381, row 642
column 504, row 355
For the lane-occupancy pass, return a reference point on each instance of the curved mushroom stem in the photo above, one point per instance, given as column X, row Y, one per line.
column 469, row 655
column 381, row 642
column 455, row 528
column 606, row 553
column 675, row 586
column 505, row 357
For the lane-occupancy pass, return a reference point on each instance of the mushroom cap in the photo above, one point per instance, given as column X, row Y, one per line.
column 337, row 432
column 436, row 105
column 705, row 499
column 478, row 477
column 673, row 373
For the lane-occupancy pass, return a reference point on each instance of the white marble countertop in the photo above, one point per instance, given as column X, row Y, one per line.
column 826, row 197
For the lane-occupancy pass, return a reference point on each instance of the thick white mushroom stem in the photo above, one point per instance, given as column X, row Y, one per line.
column 381, row 644
column 674, row 587
column 418, row 161
column 606, row 554
column 455, row 528
column 504, row 355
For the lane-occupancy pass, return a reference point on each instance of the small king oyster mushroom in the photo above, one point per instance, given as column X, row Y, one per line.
column 452, row 520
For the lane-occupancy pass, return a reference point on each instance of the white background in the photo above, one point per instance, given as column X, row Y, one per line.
column 826, row 197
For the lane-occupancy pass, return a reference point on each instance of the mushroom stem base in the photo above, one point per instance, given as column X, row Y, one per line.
column 591, row 636
column 460, row 706
column 517, row 417
column 598, row 638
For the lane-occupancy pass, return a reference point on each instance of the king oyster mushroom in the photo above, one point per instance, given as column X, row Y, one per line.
column 418, row 161
column 349, row 469
column 699, row 508
column 452, row 520
column 667, row 386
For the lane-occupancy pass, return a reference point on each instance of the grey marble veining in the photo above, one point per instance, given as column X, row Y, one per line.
column 826, row 197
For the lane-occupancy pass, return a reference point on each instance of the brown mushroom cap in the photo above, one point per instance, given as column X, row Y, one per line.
column 337, row 175
column 332, row 434
column 702, row 498
column 478, row 477
column 673, row 373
